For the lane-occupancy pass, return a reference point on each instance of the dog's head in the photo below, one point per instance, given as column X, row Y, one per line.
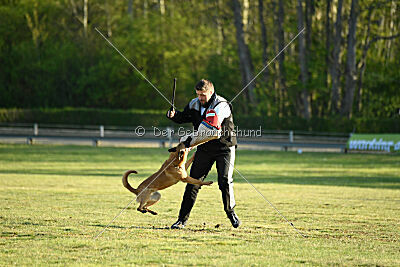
column 180, row 152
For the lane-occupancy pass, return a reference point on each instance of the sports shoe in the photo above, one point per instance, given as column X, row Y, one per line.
column 178, row 224
column 234, row 219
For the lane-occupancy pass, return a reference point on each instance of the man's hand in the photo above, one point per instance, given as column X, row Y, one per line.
column 171, row 113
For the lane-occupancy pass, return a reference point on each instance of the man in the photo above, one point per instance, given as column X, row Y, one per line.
column 211, row 116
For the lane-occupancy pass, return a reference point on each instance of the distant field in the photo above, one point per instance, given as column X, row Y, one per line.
column 55, row 199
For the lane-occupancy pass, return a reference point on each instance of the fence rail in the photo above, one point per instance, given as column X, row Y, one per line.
column 166, row 136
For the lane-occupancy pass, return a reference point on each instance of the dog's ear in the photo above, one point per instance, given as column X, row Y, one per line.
column 172, row 149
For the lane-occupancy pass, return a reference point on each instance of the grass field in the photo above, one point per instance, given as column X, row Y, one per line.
column 55, row 199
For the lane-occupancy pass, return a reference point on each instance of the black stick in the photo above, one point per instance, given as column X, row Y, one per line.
column 173, row 95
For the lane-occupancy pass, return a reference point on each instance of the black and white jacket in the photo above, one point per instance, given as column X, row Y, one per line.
column 194, row 113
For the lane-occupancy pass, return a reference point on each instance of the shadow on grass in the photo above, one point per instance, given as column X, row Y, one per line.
column 102, row 226
column 131, row 227
column 71, row 154
column 388, row 182
column 20, row 236
column 105, row 173
column 80, row 173
column 383, row 182
column 257, row 167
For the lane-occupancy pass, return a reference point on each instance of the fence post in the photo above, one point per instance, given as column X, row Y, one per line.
column 169, row 131
column 291, row 136
column 29, row 141
column 101, row 131
column 35, row 129
column 95, row 142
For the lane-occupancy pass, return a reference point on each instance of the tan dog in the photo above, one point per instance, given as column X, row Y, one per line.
column 171, row 172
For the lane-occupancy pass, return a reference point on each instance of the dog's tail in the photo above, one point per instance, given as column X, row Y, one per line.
column 126, row 184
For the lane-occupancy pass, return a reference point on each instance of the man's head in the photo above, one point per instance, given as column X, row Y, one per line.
column 204, row 91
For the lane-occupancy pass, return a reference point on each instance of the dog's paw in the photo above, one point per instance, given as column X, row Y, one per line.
column 142, row 210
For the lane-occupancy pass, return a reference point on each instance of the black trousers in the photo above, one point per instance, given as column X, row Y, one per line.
column 201, row 166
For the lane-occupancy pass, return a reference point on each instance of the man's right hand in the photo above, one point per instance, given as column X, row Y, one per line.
column 171, row 113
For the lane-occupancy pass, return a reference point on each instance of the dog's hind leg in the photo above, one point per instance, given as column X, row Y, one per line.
column 143, row 199
column 154, row 198
column 142, row 210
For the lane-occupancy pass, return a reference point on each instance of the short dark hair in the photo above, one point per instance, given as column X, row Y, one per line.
column 204, row 85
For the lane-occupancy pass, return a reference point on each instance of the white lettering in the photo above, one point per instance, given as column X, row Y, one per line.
column 157, row 132
column 379, row 145
column 397, row 146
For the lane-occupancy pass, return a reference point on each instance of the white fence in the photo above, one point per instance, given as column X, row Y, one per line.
column 165, row 136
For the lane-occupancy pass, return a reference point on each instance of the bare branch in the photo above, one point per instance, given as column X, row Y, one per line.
column 379, row 37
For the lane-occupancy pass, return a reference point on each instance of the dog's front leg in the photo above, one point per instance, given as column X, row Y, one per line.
column 187, row 164
column 191, row 180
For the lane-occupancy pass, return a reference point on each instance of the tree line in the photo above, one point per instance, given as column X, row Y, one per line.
column 343, row 59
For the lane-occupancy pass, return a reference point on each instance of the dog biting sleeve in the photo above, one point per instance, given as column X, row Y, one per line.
column 209, row 129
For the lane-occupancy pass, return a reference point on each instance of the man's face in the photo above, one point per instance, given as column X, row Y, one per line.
column 204, row 96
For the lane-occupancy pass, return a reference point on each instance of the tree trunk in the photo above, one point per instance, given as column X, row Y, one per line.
column 303, row 62
column 162, row 7
column 328, row 35
column 351, row 75
column 309, row 12
column 245, row 19
column 145, row 8
column 308, row 16
column 363, row 58
column 220, row 28
column 393, row 17
column 281, row 57
column 335, row 65
column 264, row 39
column 74, row 9
column 85, row 17
column 246, row 65
column 327, row 40
column 130, row 8
column 108, row 14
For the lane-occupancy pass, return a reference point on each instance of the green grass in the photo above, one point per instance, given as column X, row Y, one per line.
column 55, row 199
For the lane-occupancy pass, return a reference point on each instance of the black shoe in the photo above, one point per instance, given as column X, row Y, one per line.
column 234, row 219
column 178, row 225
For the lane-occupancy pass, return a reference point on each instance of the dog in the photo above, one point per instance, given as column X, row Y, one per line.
column 171, row 172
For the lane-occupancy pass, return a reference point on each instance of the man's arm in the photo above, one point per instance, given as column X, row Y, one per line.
column 210, row 128
column 178, row 116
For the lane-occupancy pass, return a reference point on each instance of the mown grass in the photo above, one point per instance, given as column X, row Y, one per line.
column 56, row 199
